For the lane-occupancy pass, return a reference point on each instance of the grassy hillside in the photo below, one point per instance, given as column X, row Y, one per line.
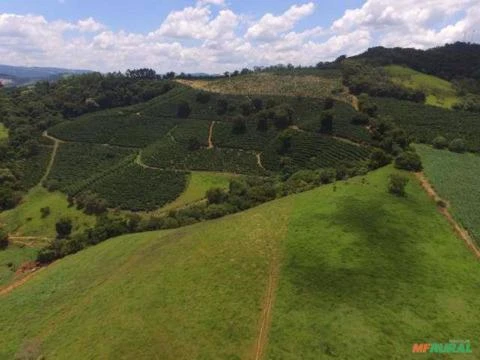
column 425, row 122
column 11, row 259
column 362, row 274
column 455, row 177
column 26, row 219
column 439, row 92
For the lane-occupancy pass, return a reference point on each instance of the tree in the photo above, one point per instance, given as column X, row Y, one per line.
column 409, row 160
column 360, row 119
column 257, row 104
column 3, row 239
column 64, row 228
column 458, row 146
column 328, row 104
column 203, row 97
column 283, row 117
column 326, row 119
column 379, row 158
column 262, row 124
column 222, row 106
column 183, row 110
column 440, row 142
column 397, row 184
column 216, row 196
column 239, row 125
column 194, row 144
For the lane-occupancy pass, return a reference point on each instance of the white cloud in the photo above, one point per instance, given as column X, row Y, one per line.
column 271, row 26
column 203, row 37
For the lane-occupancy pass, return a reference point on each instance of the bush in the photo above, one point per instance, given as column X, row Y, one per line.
column 379, row 158
column 409, row 160
column 397, row 184
column 328, row 104
column 360, row 119
column 216, row 211
column 216, row 196
column 203, row 97
column 239, row 125
column 440, row 142
column 326, row 119
column 183, row 110
column 3, row 239
column 283, row 117
column 64, row 228
column 458, row 146
column 222, row 107
column 45, row 211
column 257, row 104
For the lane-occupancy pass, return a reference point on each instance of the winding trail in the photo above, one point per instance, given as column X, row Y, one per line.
column 459, row 230
column 56, row 144
column 259, row 160
column 21, row 281
column 265, row 321
column 210, row 135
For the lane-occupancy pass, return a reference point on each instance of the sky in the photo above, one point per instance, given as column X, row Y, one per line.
column 221, row 35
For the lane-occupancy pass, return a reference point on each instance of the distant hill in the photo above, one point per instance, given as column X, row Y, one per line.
column 22, row 75
column 458, row 60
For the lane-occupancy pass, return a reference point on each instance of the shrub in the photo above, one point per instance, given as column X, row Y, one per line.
column 239, row 125
column 257, row 104
column 203, row 97
column 216, row 196
column 326, row 119
column 3, row 239
column 64, row 228
column 458, row 146
column 222, row 106
column 283, row 117
column 328, row 104
column 183, row 110
column 379, row 158
column 409, row 160
column 215, row 211
column 45, row 211
column 440, row 142
column 397, row 184
column 360, row 119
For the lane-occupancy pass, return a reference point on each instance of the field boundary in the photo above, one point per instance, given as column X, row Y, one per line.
column 459, row 230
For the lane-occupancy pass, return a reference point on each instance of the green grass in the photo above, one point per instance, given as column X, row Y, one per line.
column 439, row 92
column 26, row 218
column 363, row 275
column 198, row 184
column 3, row 132
column 456, row 178
column 11, row 259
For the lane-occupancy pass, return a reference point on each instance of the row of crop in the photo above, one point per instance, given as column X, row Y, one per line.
column 76, row 162
column 136, row 188
column 169, row 154
column 251, row 139
column 187, row 129
column 425, row 122
column 312, row 151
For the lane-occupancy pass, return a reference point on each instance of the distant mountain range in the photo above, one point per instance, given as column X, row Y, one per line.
column 22, row 75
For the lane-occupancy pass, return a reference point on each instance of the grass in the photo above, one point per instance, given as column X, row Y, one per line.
column 3, row 132
column 11, row 259
column 198, row 184
column 364, row 275
column 26, row 219
column 439, row 92
column 455, row 177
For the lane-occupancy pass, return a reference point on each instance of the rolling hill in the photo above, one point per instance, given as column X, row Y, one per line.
column 345, row 270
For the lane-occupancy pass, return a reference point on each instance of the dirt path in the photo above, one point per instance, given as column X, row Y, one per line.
column 259, row 160
column 265, row 320
column 210, row 135
column 21, row 281
column 355, row 103
column 56, row 144
column 459, row 230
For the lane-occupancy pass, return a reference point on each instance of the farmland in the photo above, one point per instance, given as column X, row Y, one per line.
column 425, row 122
column 455, row 177
column 333, row 297
column 150, row 190
column 76, row 163
column 439, row 92
column 33, row 167
column 312, row 151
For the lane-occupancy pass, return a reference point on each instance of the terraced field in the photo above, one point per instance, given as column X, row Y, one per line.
column 425, row 122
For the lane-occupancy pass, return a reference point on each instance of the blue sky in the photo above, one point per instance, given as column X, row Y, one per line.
column 221, row 35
